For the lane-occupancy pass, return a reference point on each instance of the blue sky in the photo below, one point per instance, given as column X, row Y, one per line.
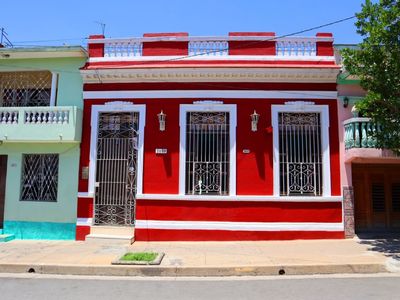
column 71, row 21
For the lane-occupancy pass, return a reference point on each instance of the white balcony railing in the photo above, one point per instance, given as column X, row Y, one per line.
column 45, row 124
column 296, row 47
column 123, row 48
column 46, row 115
column 208, row 48
column 9, row 116
column 211, row 46
column 34, row 115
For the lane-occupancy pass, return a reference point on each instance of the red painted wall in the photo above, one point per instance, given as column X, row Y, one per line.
column 254, row 170
column 225, row 235
column 239, row 211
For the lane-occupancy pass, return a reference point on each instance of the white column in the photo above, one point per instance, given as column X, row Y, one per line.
column 53, row 92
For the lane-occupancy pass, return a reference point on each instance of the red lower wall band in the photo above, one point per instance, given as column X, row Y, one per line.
column 82, row 232
column 225, row 235
column 239, row 211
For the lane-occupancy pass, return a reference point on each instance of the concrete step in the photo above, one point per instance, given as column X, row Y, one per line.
column 110, row 238
column 112, row 230
column 6, row 237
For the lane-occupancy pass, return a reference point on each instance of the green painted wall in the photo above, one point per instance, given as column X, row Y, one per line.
column 70, row 84
column 64, row 210
column 45, row 220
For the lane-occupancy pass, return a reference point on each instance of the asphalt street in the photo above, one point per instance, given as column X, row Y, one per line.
column 34, row 286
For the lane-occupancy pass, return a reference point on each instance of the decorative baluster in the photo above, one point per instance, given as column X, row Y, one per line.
column 27, row 117
column 278, row 48
column 59, row 117
column 66, row 117
column 364, row 138
column 357, row 135
column 373, row 130
column 347, row 136
column 285, row 49
column 313, row 49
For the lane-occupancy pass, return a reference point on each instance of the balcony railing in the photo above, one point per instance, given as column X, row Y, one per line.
column 358, row 133
column 40, row 124
column 213, row 46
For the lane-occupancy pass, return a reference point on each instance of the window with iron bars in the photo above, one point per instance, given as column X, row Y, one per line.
column 40, row 177
column 25, row 88
column 207, row 153
column 300, row 154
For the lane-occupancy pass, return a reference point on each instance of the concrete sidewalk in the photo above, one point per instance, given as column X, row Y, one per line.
column 299, row 257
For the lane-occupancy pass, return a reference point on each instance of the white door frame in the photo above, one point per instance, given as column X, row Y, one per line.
column 116, row 106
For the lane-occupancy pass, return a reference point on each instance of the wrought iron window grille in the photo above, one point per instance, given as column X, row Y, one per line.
column 300, row 154
column 207, row 153
column 25, row 88
column 40, row 177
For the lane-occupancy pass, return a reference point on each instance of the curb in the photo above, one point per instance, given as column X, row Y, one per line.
column 122, row 270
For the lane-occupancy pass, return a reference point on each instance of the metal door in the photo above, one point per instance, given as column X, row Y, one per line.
column 116, row 168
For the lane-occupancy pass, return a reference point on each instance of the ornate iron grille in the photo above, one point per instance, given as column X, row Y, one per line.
column 25, row 88
column 207, row 153
column 40, row 177
column 116, row 168
column 300, row 154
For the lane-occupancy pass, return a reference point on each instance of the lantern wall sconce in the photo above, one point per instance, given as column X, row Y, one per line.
column 345, row 102
column 161, row 120
column 254, row 120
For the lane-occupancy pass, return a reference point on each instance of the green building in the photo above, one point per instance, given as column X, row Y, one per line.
column 40, row 134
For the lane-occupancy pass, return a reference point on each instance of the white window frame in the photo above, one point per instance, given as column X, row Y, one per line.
column 208, row 106
column 116, row 106
column 304, row 107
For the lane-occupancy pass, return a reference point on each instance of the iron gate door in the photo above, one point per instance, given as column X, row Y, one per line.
column 116, row 168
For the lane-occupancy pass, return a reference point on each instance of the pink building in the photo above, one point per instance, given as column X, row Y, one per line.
column 370, row 177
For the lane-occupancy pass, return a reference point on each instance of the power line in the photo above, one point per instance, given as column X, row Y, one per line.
column 48, row 41
column 264, row 40
column 213, row 51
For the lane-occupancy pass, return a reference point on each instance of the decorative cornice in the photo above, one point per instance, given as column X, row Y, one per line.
column 304, row 74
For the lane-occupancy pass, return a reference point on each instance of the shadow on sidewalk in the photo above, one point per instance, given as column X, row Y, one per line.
column 388, row 244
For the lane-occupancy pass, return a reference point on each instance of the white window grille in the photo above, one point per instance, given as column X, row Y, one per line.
column 40, row 177
column 207, row 153
column 300, row 154
column 25, row 88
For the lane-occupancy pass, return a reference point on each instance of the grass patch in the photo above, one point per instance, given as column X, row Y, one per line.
column 139, row 256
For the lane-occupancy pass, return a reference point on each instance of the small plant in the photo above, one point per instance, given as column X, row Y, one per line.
column 139, row 256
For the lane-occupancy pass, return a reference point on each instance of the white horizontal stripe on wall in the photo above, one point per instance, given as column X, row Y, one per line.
column 85, row 195
column 84, row 221
column 237, row 226
column 247, row 198
column 249, row 94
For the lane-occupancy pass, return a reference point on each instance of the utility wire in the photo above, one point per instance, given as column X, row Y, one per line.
column 262, row 40
column 194, row 55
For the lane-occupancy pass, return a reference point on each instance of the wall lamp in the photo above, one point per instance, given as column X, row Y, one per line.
column 161, row 120
column 254, row 120
column 345, row 102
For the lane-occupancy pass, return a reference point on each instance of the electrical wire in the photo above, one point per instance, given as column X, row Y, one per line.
column 194, row 55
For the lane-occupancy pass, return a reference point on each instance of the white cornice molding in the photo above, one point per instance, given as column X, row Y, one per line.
column 207, row 94
column 248, row 74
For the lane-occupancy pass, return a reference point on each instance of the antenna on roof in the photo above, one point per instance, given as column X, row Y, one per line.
column 103, row 26
column 4, row 41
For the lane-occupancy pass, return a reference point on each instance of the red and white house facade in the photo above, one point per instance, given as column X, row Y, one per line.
column 211, row 138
